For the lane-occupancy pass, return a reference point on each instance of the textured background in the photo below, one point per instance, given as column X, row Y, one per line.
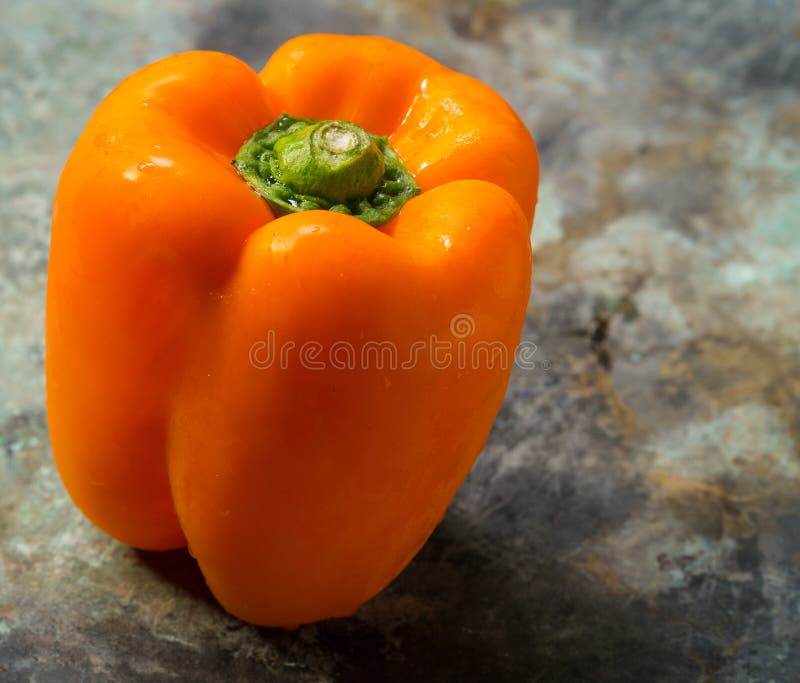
column 635, row 516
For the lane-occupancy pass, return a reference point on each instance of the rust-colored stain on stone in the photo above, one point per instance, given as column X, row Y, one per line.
column 709, row 509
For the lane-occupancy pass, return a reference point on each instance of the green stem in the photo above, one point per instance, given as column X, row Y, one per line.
column 302, row 164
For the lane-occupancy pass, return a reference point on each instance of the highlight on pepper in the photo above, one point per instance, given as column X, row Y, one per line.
column 206, row 205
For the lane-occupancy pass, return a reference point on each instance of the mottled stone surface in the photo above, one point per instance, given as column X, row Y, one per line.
column 636, row 513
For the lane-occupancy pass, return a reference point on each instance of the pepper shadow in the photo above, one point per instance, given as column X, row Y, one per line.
column 473, row 607
column 467, row 609
column 180, row 569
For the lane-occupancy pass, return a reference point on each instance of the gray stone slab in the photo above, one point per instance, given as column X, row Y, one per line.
column 635, row 516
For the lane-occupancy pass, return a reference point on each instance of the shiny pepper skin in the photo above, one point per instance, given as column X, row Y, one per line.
column 301, row 491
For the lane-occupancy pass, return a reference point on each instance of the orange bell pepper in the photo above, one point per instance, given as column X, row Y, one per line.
column 207, row 375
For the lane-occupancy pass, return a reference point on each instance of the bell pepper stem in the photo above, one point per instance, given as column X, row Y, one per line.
column 336, row 160
column 303, row 164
